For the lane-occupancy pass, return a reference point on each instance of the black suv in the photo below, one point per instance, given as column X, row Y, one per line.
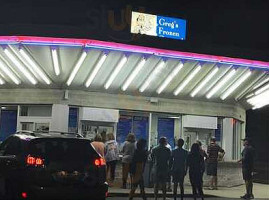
column 49, row 166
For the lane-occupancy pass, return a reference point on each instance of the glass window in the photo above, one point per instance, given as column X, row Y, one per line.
column 27, row 126
column 24, row 111
column 4, row 145
column 61, row 149
column 12, row 146
column 237, row 132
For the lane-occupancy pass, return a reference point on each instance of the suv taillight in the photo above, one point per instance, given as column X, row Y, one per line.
column 99, row 162
column 34, row 161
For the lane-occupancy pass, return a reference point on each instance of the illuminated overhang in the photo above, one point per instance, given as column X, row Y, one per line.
column 108, row 67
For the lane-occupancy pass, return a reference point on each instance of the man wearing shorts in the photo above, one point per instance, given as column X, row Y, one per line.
column 178, row 165
column 247, row 160
column 160, row 157
column 212, row 163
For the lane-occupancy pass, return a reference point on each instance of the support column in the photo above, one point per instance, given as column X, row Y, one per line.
column 227, row 139
column 59, row 118
column 150, row 123
column 18, row 116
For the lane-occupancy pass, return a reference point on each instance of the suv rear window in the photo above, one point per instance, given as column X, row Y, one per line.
column 61, row 149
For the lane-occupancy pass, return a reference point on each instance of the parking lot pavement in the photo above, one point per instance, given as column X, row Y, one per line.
column 210, row 198
column 261, row 191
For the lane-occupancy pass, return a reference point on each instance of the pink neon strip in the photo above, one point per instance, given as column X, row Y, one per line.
column 132, row 48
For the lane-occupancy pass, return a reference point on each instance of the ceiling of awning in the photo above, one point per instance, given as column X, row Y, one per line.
column 160, row 73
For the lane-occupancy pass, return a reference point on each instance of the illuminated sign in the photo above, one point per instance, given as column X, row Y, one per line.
column 158, row 26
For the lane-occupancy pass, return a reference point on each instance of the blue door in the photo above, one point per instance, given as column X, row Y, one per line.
column 8, row 123
column 166, row 129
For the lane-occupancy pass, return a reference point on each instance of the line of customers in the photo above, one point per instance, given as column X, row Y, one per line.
column 166, row 163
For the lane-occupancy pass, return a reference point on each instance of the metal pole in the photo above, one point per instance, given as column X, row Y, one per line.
column 150, row 123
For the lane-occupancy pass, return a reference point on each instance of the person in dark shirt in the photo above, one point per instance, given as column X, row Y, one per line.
column 202, row 151
column 247, row 160
column 212, row 163
column 196, row 166
column 178, row 167
column 160, row 157
column 137, row 168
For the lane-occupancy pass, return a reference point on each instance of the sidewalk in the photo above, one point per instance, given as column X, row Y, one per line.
column 260, row 191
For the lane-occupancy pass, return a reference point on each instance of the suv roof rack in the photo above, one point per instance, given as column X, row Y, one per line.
column 26, row 132
column 39, row 133
column 67, row 133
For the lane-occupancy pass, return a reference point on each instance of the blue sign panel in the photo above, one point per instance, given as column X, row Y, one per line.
column 73, row 120
column 166, row 129
column 123, row 128
column 159, row 26
column 141, row 127
column 171, row 28
column 8, row 123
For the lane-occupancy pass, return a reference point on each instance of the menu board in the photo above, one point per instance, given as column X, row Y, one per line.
column 123, row 128
column 166, row 129
column 141, row 126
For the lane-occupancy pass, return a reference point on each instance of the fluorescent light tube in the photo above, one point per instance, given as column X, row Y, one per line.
column 245, row 90
column 116, row 71
column 221, row 83
column 133, row 74
column 157, row 69
column 24, row 71
column 187, row 80
column 261, row 83
column 262, row 89
column 205, row 81
column 9, row 73
column 1, row 81
column 97, row 67
column 55, row 61
column 259, row 100
column 170, row 77
column 235, row 85
column 34, row 66
column 76, row 68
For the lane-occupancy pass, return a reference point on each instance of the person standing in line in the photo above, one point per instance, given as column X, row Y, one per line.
column 178, row 167
column 212, row 163
column 168, row 189
column 128, row 152
column 160, row 157
column 202, row 151
column 98, row 145
column 247, row 160
column 196, row 166
column 137, row 168
column 111, row 156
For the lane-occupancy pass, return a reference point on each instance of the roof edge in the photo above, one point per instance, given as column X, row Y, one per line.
column 51, row 41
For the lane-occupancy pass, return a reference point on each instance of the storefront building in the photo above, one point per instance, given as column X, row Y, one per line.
column 97, row 88
column 121, row 78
